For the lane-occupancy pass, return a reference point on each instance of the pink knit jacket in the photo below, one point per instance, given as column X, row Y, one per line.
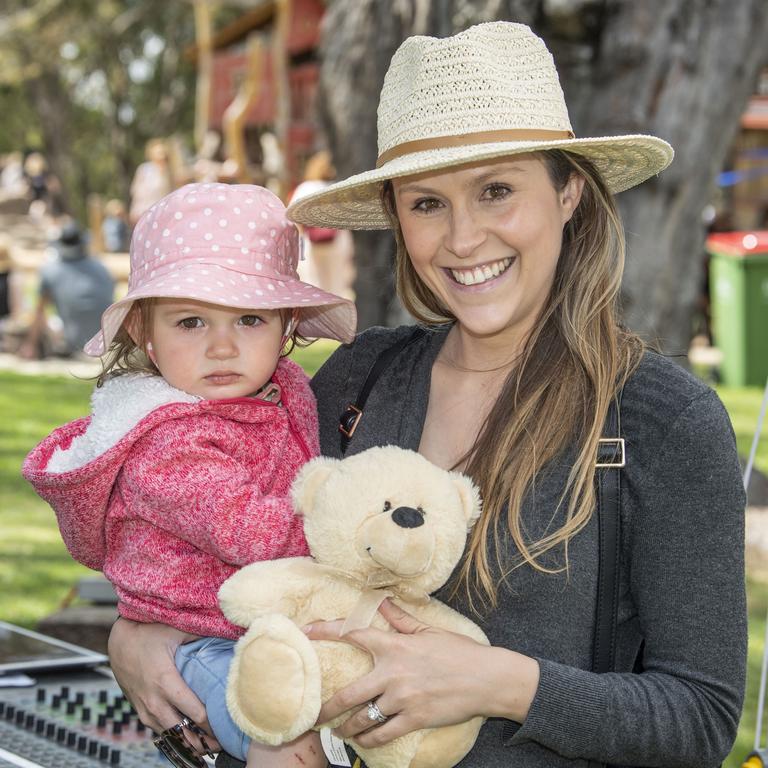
column 169, row 494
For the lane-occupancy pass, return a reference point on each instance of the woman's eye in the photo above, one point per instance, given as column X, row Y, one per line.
column 496, row 192
column 251, row 320
column 191, row 322
column 426, row 205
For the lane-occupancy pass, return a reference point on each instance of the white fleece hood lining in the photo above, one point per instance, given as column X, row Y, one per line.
column 116, row 408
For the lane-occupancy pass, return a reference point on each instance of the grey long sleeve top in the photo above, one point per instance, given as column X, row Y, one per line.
column 682, row 575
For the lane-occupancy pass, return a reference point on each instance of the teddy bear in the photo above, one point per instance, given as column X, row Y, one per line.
column 385, row 522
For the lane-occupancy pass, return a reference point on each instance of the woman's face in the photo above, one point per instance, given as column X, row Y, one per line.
column 485, row 239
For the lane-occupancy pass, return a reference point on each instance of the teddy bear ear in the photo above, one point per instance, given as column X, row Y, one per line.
column 470, row 497
column 310, row 477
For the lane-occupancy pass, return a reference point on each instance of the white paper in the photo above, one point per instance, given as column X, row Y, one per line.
column 334, row 748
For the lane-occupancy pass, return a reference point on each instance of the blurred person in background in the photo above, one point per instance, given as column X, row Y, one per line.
column 78, row 287
column 208, row 161
column 115, row 231
column 151, row 181
column 7, row 303
column 43, row 187
column 12, row 182
column 328, row 253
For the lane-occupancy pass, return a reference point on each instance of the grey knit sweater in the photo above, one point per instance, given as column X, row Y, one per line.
column 682, row 577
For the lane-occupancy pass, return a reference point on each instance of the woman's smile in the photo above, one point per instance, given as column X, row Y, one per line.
column 481, row 273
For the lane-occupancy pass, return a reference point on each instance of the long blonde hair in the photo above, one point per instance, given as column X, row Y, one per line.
column 558, row 391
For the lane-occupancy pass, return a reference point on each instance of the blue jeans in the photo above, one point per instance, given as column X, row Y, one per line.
column 204, row 665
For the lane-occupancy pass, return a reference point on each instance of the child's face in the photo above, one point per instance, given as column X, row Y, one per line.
column 213, row 351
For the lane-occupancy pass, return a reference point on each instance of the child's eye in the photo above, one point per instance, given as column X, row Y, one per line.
column 426, row 205
column 251, row 320
column 190, row 322
column 496, row 192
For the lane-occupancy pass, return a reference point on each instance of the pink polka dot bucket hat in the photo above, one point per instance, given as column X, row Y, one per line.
column 226, row 244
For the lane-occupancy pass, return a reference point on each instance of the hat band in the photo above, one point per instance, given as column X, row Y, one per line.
column 468, row 139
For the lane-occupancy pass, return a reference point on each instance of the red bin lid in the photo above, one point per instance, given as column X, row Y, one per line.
column 740, row 243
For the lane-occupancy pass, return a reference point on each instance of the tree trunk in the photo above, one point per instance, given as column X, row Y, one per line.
column 682, row 70
column 679, row 69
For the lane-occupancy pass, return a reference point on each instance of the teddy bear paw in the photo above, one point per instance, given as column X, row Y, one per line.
column 273, row 689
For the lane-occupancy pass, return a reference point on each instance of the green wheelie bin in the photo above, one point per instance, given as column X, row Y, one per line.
column 738, row 286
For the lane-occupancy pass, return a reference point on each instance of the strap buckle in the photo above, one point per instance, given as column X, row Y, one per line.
column 619, row 459
column 349, row 420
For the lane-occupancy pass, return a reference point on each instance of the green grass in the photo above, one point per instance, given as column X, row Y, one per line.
column 743, row 406
column 37, row 574
column 757, row 601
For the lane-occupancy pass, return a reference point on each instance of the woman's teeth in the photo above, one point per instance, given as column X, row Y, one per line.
column 481, row 274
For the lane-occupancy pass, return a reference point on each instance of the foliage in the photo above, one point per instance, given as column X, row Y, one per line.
column 89, row 82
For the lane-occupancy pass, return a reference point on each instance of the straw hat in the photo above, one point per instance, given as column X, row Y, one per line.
column 485, row 93
column 224, row 244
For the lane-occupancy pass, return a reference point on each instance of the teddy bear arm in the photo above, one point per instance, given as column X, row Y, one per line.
column 273, row 586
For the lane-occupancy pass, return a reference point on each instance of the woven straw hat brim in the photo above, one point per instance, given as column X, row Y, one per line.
column 355, row 203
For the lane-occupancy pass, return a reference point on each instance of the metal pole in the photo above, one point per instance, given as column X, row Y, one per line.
column 761, row 695
column 764, row 671
column 756, row 438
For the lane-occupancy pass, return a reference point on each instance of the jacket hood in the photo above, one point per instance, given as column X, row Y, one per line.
column 116, row 408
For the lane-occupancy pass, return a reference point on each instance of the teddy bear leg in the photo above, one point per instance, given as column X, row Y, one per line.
column 273, row 688
column 397, row 754
column 446, row 746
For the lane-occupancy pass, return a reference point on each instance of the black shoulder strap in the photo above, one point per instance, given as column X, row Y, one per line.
column 352, row 414
column 610, row 459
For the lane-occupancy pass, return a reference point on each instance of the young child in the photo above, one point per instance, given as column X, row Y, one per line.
column 199, row 424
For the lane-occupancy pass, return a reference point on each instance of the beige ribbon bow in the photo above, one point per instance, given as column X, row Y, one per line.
column 378, row 586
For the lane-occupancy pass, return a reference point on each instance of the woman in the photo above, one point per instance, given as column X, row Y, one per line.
column 511, row 252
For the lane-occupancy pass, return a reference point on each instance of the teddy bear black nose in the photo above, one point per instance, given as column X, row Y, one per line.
column 407, row 517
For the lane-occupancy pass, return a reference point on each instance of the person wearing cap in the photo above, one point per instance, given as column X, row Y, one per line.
column 77, row 286
column 183, row 470
column 510, row 256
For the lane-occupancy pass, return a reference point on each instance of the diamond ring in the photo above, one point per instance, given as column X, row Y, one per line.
column 375, row 715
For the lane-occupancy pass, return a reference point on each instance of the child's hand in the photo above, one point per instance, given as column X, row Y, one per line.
column 304, row 752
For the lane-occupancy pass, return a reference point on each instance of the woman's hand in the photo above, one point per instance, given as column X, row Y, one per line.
column 424, row 677
column 142, row 658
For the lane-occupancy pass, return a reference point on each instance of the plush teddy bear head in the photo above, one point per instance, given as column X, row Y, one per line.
column 386, row 517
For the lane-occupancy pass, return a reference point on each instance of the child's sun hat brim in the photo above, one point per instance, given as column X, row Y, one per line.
column 322, row 314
